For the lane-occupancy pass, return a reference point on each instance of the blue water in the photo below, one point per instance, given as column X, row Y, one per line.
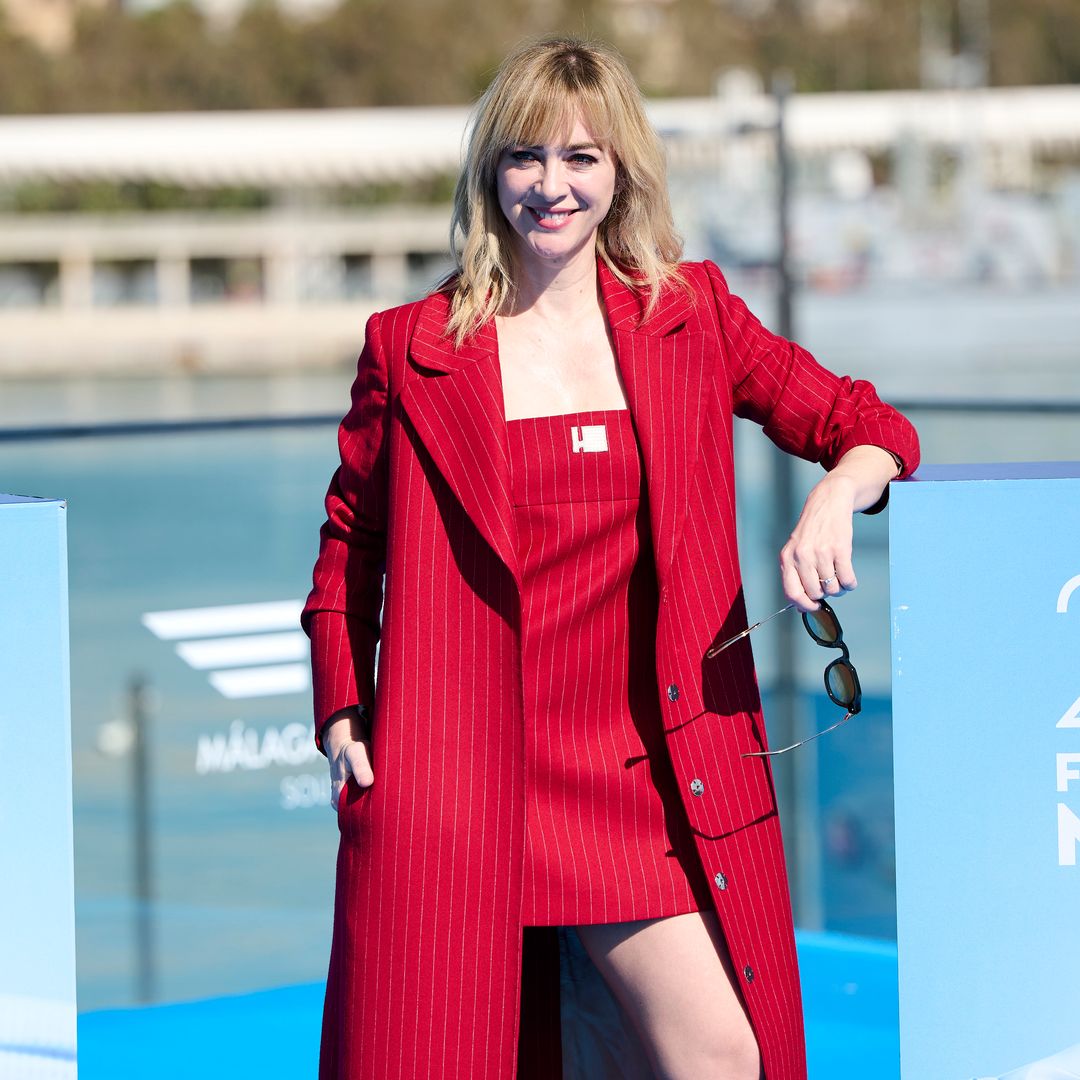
column 243, row 861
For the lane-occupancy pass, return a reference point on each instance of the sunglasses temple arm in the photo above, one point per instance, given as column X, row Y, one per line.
column 802, row 742
column 742, row 633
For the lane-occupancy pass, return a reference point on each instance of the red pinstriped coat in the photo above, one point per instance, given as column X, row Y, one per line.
column 426, row 966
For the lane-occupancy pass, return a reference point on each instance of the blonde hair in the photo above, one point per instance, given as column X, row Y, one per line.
column 534, row 98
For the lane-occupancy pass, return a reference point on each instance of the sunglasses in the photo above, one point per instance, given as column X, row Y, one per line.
column 841, row 679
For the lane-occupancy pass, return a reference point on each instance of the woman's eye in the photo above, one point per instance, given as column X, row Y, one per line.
column 583, row 159
column 522, row 157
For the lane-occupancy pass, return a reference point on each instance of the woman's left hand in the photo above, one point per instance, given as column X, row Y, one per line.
column 816, row 560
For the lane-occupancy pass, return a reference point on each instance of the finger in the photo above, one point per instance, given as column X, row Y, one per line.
column 794, row 589
column 339, row 772
column 829, row 582
column 810, row 579
column 358, row 757
column 807, row 560
column 845, row 572
column 339, row 779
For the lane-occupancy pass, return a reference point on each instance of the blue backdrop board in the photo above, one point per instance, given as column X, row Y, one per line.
column 37, row 906
column 985, row 578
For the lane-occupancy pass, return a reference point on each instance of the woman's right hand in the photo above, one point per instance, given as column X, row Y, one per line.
column 348, row 749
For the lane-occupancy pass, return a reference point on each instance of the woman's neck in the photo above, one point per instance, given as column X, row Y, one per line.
column 557, row 293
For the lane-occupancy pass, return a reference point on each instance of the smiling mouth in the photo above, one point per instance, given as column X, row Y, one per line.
column 550, row 218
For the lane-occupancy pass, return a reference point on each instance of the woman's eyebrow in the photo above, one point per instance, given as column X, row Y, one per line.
column 572, row 149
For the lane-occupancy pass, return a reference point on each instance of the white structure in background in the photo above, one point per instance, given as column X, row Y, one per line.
column 291, row 286
column 248, row 650
column 306, row 148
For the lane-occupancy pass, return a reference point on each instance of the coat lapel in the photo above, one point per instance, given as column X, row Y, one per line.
column 663, row 363
column 454, row 399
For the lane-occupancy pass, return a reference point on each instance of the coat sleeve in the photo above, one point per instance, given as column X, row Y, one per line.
column 342, row 613
column 803, row 407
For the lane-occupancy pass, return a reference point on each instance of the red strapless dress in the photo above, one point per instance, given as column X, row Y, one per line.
column 607, row 837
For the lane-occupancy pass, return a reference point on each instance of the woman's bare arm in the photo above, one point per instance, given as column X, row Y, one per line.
column 819, row 547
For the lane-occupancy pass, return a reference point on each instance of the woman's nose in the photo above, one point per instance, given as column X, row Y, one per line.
column 552, row 185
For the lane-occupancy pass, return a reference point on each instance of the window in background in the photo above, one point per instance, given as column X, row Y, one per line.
column 29, row 284
column 217, row 280
column 123, row 282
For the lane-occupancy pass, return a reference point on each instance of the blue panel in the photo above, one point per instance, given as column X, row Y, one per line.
column 985, row 642
column 37, row 913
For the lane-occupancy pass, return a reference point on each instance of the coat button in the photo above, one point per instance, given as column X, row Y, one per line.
column 748, row 971
column 673, row 693
column 697, row 787
column 721, row 881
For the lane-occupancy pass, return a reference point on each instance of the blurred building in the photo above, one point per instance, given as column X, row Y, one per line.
column 47, row 23
column 976, row 187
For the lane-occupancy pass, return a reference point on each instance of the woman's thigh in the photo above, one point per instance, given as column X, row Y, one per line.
column 675, row 979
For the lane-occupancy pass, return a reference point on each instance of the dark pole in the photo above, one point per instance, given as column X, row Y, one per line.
column 138, row 697
column 784, row 711
column 782, row 86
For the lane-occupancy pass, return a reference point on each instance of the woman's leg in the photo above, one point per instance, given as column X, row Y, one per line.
column 674, row 978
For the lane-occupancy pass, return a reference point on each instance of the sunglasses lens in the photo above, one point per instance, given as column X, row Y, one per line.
column 842, row 683
column 823, row 625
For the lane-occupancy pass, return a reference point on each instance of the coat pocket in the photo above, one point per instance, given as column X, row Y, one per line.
column 722, row 790
column 351, row 805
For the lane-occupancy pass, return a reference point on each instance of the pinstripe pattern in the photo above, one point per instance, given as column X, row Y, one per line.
column 425, row 968
column 600, row 795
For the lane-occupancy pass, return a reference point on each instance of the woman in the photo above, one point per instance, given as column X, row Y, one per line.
column 539, row 455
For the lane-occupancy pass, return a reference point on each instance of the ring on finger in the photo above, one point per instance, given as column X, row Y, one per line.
column 827, row 580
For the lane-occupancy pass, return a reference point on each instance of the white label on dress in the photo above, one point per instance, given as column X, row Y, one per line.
column 589, row 437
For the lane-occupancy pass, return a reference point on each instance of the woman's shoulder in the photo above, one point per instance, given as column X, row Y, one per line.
column 401, row 314
column 707, row 284
column 698, row 278
column 434, row 308
column 703, row 274
column 697, row 281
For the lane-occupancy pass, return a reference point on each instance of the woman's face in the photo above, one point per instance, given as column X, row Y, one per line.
column 556, row 196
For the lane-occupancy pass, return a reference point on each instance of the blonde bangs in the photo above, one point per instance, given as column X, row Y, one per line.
column 552, row 118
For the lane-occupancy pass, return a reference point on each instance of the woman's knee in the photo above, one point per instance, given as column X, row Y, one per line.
column 728, row 1052
column 735, row 1055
